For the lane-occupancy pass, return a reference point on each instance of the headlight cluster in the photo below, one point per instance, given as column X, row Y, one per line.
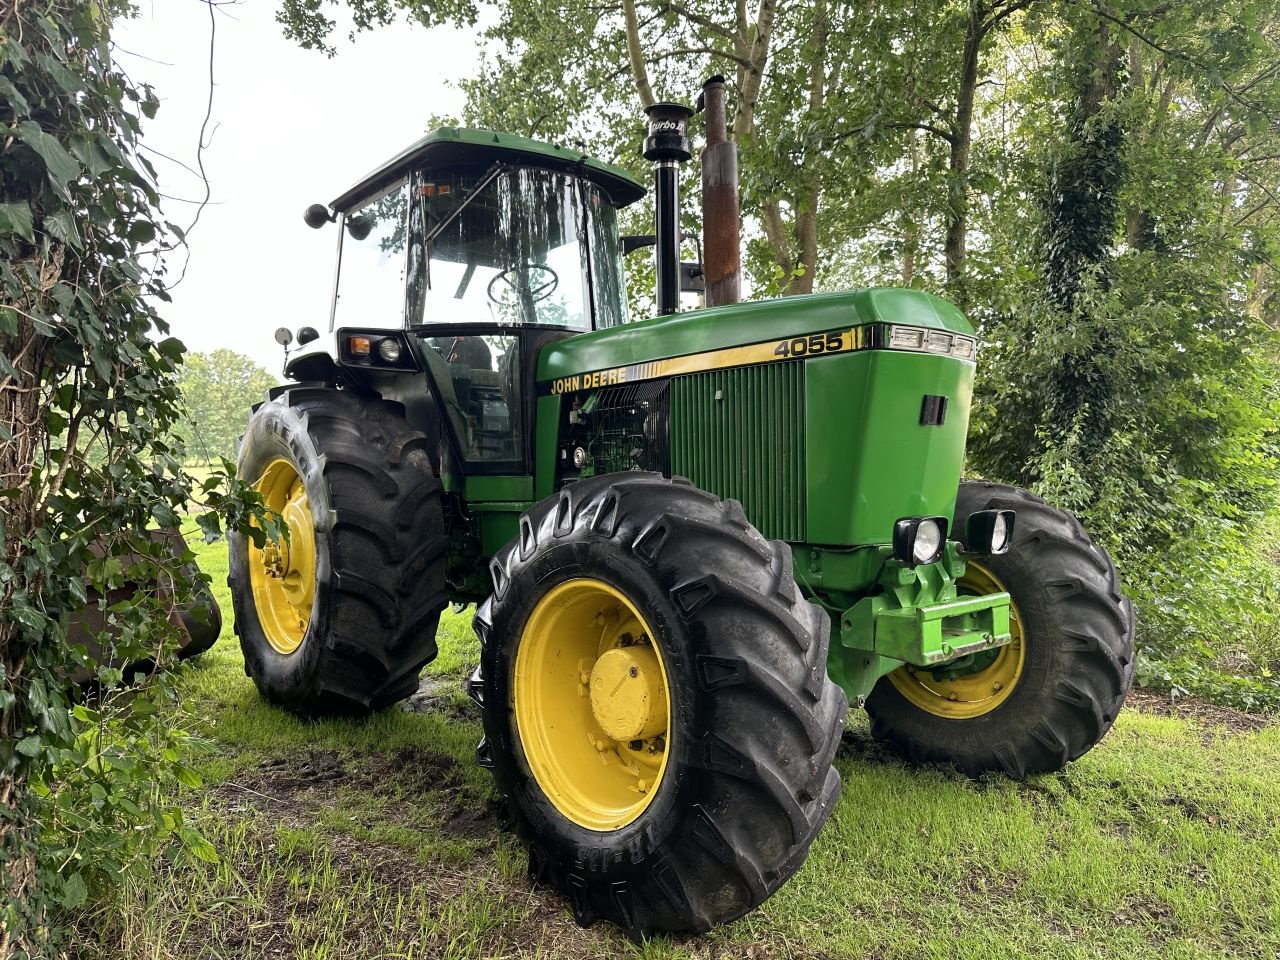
column 923, row 340
column 921, row 540
column 367, row 348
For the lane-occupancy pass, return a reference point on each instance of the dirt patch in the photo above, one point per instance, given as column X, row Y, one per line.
column 473, row 824
column 1197, row 710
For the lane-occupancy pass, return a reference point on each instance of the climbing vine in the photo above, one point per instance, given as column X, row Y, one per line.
column 89, row 757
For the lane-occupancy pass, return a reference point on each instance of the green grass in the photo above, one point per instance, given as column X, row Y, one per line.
column 376, row 839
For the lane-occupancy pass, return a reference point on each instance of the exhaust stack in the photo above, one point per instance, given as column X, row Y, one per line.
column 667, row 146
column 721, row 220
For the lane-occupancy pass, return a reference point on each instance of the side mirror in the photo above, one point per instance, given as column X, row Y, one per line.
column 317, row 216
column 306, row 335
column 359, row 226
column 283, row 336
column 631, row 244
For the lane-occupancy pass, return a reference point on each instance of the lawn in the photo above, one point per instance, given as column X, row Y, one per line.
column 350, row 839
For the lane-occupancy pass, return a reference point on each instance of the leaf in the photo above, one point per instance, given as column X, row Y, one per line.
column 73, row 893
column 171, row 347
column 15, row 217
column 62, row 226
column 142, row 231
column 62, row 167
column 29, row 746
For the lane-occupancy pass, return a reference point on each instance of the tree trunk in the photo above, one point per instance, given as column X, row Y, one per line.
column 22, row 417
column 956, row 241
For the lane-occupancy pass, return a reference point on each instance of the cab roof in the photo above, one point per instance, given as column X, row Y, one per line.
column 460, row 147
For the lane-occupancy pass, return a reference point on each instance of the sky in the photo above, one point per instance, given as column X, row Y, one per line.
column 289, row 127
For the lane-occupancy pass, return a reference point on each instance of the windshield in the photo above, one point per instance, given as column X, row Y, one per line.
column 514, row 247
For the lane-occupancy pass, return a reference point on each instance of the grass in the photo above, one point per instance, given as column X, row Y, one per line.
column 378, row 839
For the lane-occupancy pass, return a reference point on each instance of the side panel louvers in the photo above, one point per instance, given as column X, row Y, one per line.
column 739, row 433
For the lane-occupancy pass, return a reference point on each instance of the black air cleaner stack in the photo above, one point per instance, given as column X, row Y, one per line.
column 667, row 146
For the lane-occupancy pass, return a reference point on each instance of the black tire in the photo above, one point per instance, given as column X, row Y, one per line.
column 755, row 721
column 380, row 552
column 1078, row 631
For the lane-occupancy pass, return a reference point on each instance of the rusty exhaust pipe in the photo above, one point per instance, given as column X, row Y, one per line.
column 721, row 219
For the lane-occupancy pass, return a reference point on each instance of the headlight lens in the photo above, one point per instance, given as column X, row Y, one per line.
column 389, row 350
column 1000, row 534
column 928, row 542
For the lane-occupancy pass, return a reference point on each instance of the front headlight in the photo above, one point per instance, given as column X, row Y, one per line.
column 989, row 531
column 389, row 350
column 919, row 540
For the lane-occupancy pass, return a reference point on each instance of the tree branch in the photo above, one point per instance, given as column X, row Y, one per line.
column 636, row 56
column 706, row 23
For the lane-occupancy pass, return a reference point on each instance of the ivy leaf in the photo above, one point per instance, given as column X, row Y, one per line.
column 171, row 347
column 73, row 893
column 142, row 231
column 62, row 226
column 15, row 217
column 62, row 167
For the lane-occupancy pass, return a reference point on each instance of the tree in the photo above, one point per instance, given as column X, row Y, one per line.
column 218, row 389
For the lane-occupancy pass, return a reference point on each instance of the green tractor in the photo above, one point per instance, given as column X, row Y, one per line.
column 693, row 539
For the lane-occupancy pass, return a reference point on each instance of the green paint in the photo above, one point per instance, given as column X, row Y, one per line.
column 869, row 461
column 546, row 429
column 481, row 489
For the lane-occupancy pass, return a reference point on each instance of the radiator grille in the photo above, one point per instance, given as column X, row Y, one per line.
column 740, row 433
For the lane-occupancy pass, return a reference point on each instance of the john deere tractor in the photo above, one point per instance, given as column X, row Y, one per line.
column 693, row 539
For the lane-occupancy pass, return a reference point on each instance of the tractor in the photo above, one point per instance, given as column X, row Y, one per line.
column 692, row 539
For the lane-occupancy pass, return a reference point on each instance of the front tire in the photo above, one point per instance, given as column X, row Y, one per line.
column 695, row 792
column 341, row 618
column 1055, row 690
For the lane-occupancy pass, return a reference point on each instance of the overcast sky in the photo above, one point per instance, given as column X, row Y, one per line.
column 290, row 127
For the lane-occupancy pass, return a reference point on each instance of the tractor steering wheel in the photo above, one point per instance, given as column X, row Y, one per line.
column 511, row 279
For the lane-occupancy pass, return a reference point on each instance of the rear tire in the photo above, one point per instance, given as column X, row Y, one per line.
column 1077, row 667
column 379, row 553
column 753, row 723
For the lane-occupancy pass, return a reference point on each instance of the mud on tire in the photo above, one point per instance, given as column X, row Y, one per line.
column 755, row 722
column 1078, row 631
column 380, row 552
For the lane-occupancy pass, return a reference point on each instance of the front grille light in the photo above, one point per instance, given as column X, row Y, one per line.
column 940, row 342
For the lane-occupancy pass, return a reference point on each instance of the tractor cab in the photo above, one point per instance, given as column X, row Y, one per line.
column 459, row 259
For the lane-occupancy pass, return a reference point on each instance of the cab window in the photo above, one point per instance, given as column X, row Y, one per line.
column 371, row 262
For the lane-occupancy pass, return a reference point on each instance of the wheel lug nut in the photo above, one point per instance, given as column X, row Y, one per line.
column 997, row 686
column 953, row 697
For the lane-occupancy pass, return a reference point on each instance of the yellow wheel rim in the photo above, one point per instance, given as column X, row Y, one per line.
column 977, row 693
column 283, row 574
column 592, row 704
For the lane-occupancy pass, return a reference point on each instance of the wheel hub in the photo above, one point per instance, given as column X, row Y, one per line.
column 628, row 696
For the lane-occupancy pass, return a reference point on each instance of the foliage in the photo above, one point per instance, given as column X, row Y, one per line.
column 88, row 395
column 218, row 389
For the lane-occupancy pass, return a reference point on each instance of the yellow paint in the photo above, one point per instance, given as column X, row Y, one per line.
column 628, row 698
column 977, row 693
column 595, row 734
column 282, row 575
column 791, row 348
